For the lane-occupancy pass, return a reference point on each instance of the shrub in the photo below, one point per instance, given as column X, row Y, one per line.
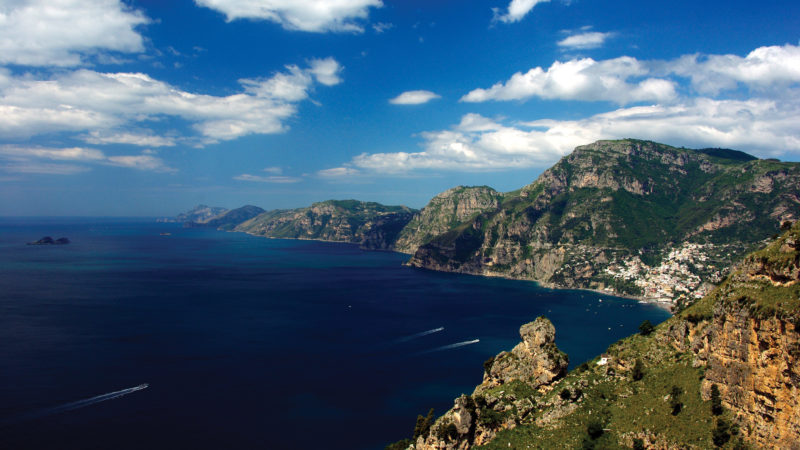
column 594, row 429
column 716, row 400
column 675, row 400
column 638, row 370
column 646, row 328
column 721, row 434
column 399, row 445
column 565, row 394
column 490, row 418
column 423, row 426
column 638, row 444
column 487, row 365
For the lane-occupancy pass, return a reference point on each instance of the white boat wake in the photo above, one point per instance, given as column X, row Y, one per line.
column 79, row 404
column 449, row 347
column 419, row 335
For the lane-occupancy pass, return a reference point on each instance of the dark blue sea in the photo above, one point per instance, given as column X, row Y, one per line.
column 246, row 342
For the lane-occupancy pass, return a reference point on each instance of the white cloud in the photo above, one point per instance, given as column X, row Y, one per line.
column 581, row 41
column 303, row 15
column 131, row 138
column 517, row 9
column 620, row 80
column 268, row 179
column 28, row 159
column 326, row 71
column 338, row 172
column 105, row 103
column 764, row 127
column 140, row 162
column 273, row 170
column 382, row 27
column 64, row 32
column 763, row 68
column 414, row 98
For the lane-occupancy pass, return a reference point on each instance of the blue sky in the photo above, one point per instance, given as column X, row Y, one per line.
column 149, row 107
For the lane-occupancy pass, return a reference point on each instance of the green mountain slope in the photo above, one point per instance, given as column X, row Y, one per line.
column 724, row 373
column 632, row 217
column 368, row 224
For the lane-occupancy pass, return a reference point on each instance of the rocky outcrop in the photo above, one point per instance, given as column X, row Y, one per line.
column 498, row 402
column 47, row 240
column 445, row 212
column 371, row 225
column 612, row 201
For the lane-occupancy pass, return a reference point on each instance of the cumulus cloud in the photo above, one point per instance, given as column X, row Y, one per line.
column 303, row 15
column 106, row 102
column 620, row 80
column 414, row 98
column 583, row 41
column 626, row 80
column 65, row 32
column 36, row 159
column 516, row 10
column 267, row 179
column 764, row 127
column 763, row 68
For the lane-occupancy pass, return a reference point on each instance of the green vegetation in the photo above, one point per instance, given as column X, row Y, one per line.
column 716, row 401
column 646, row 328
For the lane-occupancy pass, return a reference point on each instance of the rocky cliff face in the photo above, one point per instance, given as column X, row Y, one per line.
column 751, row 343
column 445, row 212
column 371, row 225
column 654, row 388
column 608, row 214
column 499, row 400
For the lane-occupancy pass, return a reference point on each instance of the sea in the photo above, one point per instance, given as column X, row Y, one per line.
column 146, row 335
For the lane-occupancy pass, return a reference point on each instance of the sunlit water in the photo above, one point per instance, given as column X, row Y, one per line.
column 248, row 342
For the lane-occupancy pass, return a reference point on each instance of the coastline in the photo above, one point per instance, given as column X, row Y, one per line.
column 666, row 306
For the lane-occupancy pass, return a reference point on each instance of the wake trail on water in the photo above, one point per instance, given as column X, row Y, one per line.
column 418, row 335
column 449, row 347
column 78, row 404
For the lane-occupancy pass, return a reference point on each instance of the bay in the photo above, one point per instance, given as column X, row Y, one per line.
column 246, row 342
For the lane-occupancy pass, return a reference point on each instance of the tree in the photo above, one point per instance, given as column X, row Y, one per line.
column 675, row 400
column 565, row 394
column 638, row 370
column 594, row 429
column 721, row 434
column 423, row 426
column 646, row 328
column 716, row 400
column 638, row 444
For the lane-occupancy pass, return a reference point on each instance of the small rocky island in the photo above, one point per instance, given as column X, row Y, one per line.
column 47, row 240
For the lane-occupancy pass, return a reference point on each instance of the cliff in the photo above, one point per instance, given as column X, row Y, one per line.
column 630, row 217
column 371, row 225
column 723, row 373
column 501, row 398
column 444, row 212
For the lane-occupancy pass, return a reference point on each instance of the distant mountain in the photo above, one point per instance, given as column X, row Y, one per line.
column 631, row 217
column 229, row 219
column 369, row 224
column 200, row 214
column 444, row 212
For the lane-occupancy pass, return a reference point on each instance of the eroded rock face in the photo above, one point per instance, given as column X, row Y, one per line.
column 534, row 363
column 536, row 360
column 445, row 211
